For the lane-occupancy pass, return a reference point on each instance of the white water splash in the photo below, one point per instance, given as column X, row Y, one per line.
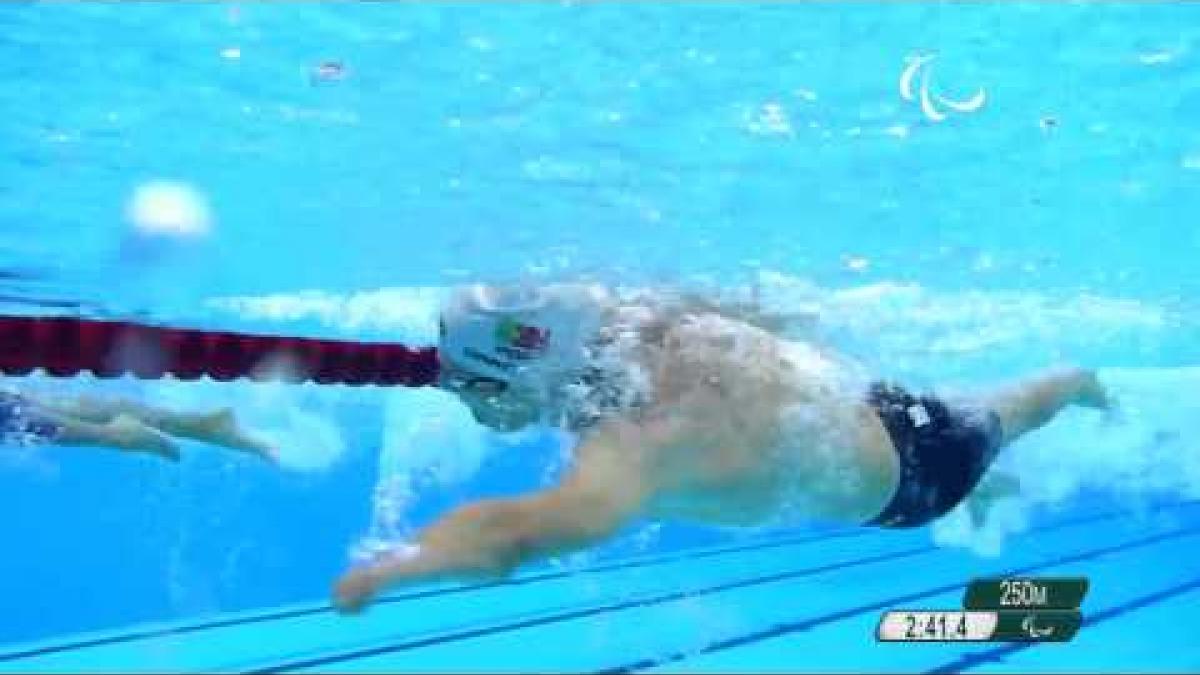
column 429, row 441
column 908, row 317
column 407, row 314
column 909, row 328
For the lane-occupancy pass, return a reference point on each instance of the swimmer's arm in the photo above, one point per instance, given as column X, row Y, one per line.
column 488, row 539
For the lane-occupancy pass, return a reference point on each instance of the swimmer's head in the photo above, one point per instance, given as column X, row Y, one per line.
column 502, row 348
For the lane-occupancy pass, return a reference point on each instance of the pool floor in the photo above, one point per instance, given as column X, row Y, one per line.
column 788, row 602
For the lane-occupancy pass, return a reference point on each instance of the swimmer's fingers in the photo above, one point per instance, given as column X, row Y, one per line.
column 354, row 590
column 358, row 587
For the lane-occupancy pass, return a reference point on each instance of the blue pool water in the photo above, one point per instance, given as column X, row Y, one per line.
column 957, row 243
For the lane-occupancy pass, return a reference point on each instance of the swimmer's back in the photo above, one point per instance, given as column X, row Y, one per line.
column 775, row 418
column 747, row 362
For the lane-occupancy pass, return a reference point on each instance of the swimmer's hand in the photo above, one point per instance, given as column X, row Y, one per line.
column 477, row 542
column 354, row 590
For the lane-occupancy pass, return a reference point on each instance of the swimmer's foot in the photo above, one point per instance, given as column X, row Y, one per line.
column 128, row 433
column 221, row 428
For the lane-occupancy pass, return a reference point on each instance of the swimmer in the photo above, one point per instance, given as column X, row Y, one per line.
column 118, row 424
column 686, row 410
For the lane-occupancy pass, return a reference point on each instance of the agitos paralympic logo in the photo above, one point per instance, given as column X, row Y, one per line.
column 513, row 334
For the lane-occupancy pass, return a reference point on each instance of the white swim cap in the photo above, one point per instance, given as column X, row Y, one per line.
column 508, row 333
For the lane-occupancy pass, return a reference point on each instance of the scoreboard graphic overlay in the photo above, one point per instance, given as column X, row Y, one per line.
column 996, row 610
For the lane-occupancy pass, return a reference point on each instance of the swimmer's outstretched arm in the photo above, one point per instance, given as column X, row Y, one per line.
column 488, row 539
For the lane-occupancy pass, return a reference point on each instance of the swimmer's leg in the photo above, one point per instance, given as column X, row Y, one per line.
column 994, row 487
column 218, row 427
column 1025, row 407
column 1035, row 401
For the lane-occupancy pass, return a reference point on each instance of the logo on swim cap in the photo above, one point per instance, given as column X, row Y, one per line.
column 511, row 333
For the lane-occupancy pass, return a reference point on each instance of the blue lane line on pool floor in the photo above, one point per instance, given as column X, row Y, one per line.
column 416, row 643
column 807, row 624
column 976, row 659
column 774, row 542
column 148, row 634
column 592, row 610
